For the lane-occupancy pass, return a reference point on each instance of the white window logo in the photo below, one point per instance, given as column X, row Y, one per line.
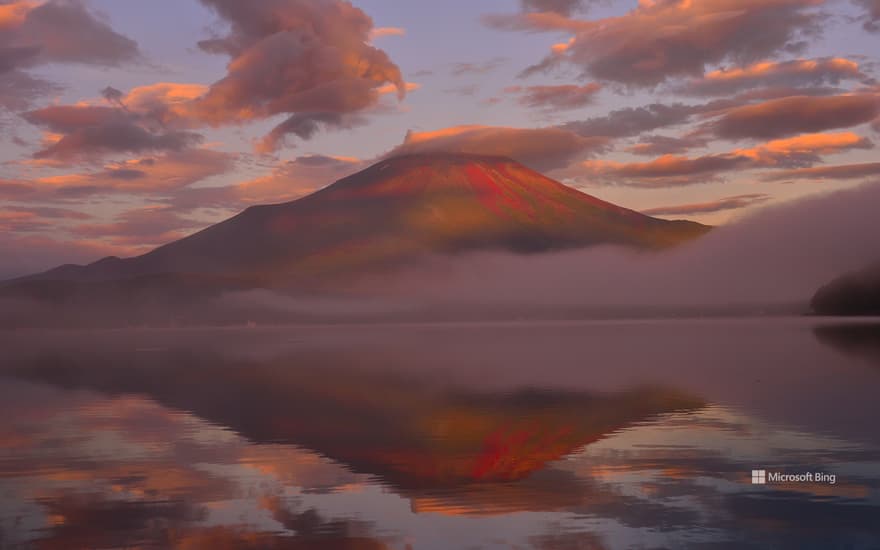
column 759, row 477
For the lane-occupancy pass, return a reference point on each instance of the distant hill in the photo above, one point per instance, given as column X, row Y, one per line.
column 856, row 293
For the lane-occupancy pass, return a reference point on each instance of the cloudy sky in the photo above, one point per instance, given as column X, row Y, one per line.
column 125, row 124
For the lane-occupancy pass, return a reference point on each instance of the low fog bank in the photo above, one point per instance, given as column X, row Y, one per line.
column 775, row 257
column 771, row 261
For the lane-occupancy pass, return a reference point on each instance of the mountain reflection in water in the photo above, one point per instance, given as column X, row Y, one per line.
column 859, row 339
column 227, row 439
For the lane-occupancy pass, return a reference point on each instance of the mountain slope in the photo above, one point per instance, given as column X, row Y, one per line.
column 392, row 212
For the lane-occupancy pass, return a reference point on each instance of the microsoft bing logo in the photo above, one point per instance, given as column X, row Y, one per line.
column 759, row 477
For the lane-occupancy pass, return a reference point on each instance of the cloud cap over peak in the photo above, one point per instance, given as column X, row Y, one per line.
column 539, row 148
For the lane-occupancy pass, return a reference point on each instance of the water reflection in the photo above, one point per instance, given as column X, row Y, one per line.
column 857, row 339
column 184, row 447
column 411, row 433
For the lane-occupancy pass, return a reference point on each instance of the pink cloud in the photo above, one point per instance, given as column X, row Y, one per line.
column 798, row 72
column 86, row 132
column 310, row 60
column 556, row 98
column 36, row 33
column 670, row 38
column 871, row 16
column 671, row 170
column 57, row 31
column 719, row 205
column 561, row 7
column 795, row 114
column 144, row 175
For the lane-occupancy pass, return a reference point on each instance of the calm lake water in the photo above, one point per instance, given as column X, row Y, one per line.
column 576, row 435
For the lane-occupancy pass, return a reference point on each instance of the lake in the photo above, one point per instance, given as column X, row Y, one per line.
column 556, row 436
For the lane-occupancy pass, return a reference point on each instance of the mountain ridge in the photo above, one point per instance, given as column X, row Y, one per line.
column 396, row 209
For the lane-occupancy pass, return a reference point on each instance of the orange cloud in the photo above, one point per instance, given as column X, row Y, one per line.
column 392, row 88
column 14, row 13
column 819, row 143
column 764, row 68
column 795, row 114
column 163, row 92
column 31, row 219
column 668, row 170
column 165, row 102
column 783, row 151
column 561, row 47
column 19, row 221
column 794, row 73
column 379, row 32
column 143, row 175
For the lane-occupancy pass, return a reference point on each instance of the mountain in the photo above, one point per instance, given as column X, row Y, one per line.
column 392, row 212
column 856, row 293
column 341, row 241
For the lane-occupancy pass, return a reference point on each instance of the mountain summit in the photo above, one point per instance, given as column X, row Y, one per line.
column 392, row 212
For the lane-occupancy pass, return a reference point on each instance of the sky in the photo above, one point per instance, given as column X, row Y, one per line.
column 127, row 124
